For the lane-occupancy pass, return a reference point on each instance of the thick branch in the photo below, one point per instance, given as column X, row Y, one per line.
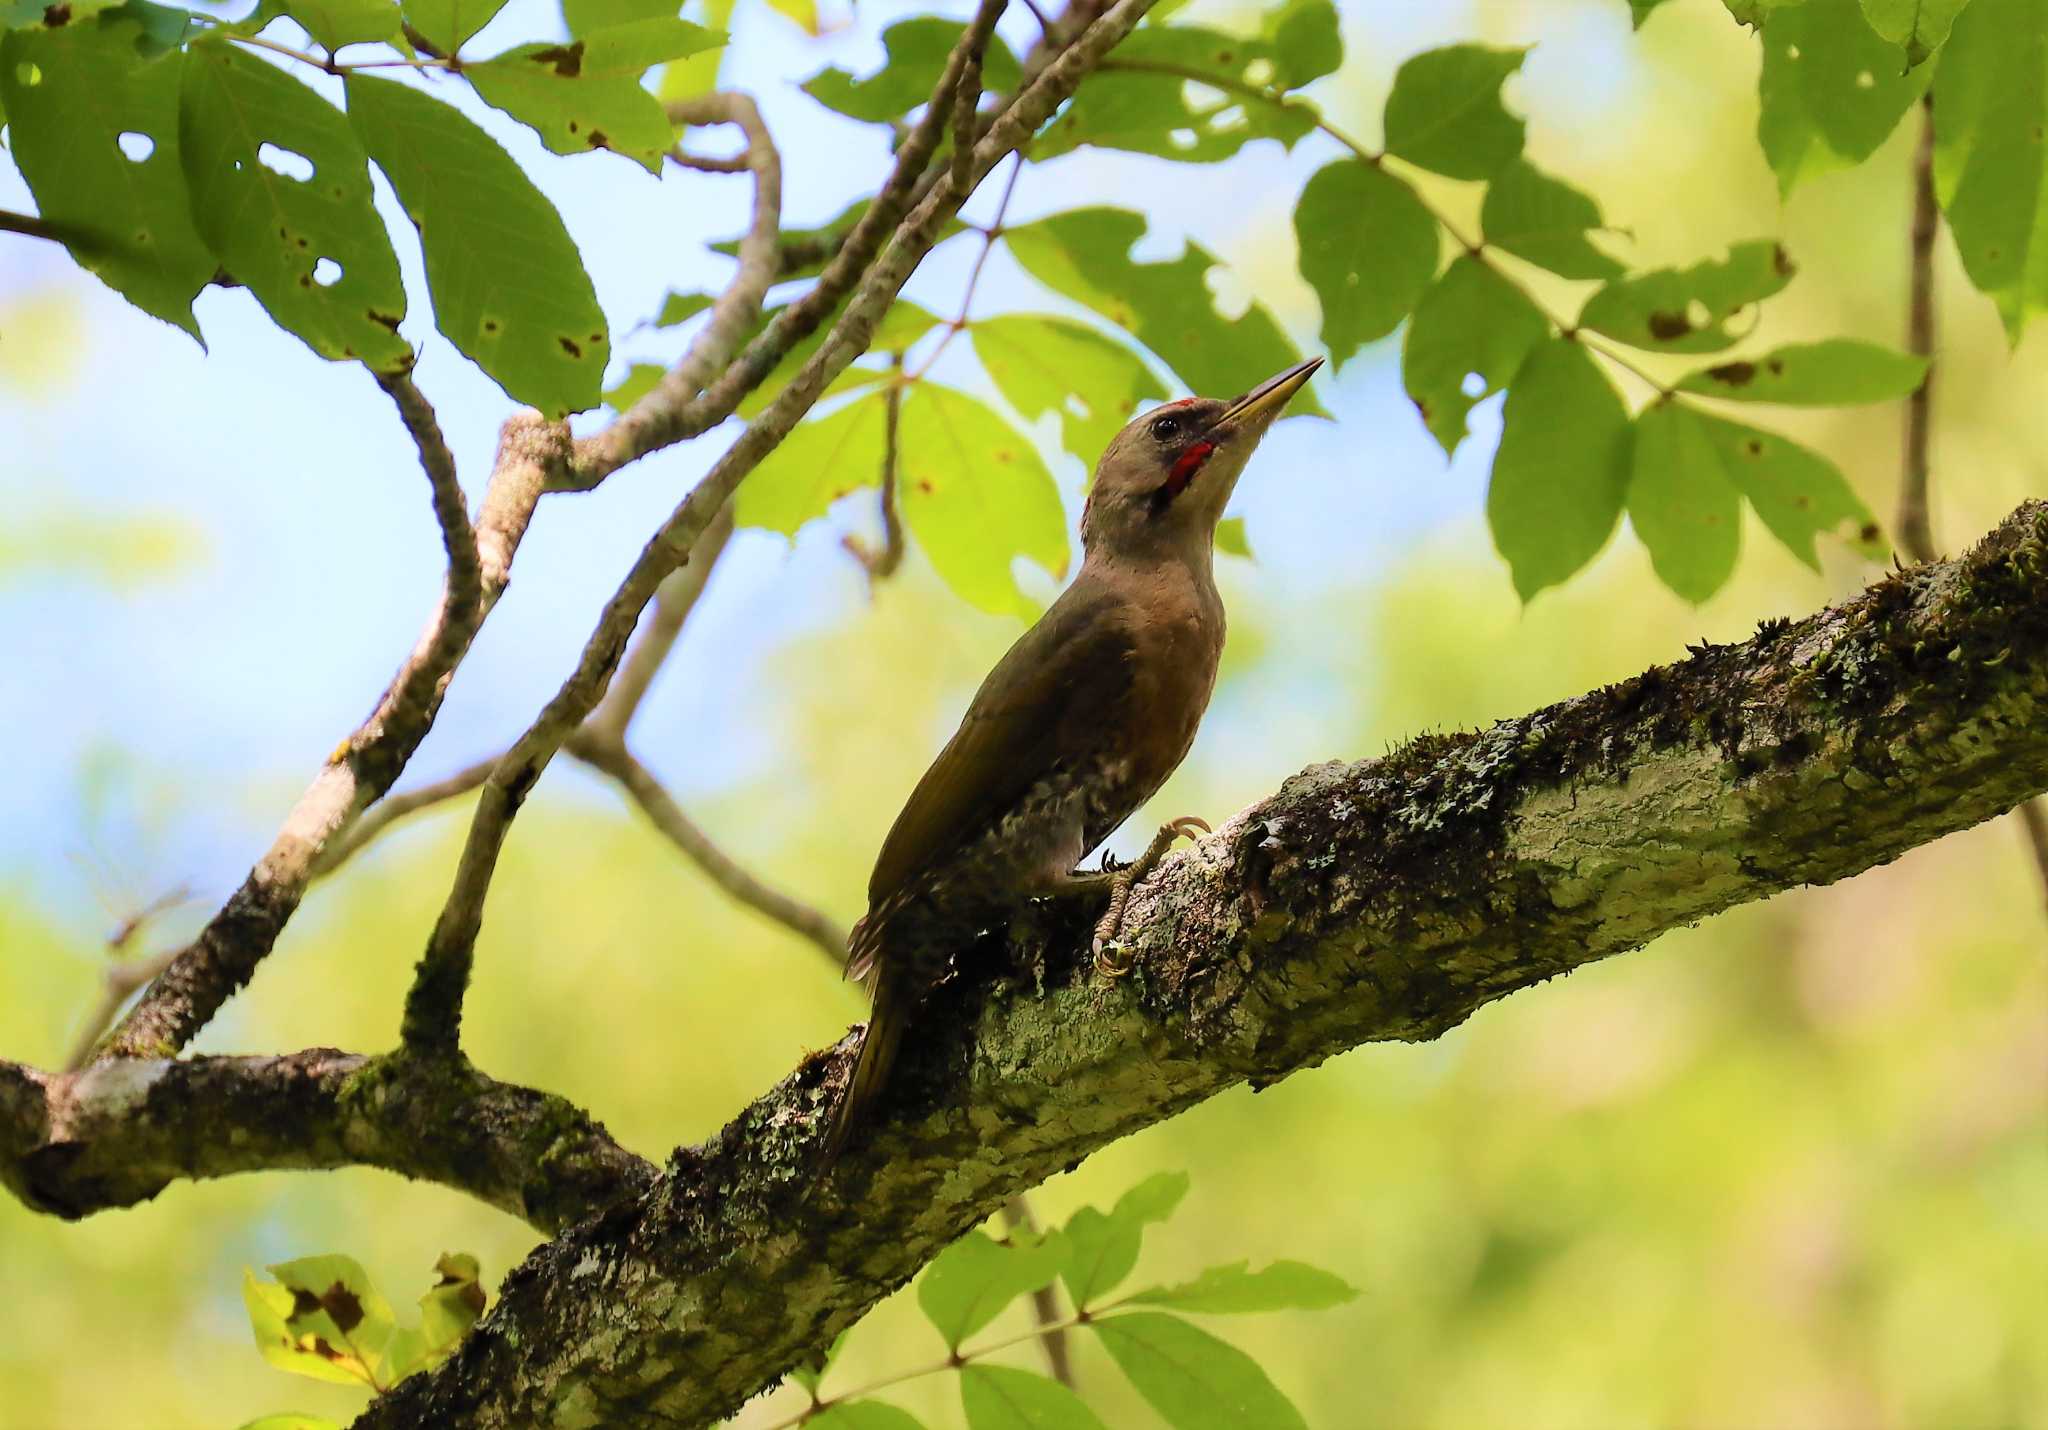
column 206, row 974
column 1380, row 900
column 120, row 1131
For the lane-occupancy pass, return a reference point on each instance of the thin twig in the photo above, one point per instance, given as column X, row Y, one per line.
column 674, row 599
column 393, row 808
column 989, row 236
column 1045, row 1303
column 1914, row 530
column 708, row 163
column 118, row 984
column 2033, row 817
column 881, row 563
column 646, row 791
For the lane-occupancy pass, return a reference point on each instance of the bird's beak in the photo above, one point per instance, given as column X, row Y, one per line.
column 1269, row 396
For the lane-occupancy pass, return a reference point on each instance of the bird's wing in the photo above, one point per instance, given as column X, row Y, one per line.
column 1067, row 679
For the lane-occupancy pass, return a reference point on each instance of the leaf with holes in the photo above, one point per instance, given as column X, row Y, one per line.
column 1369, row 249
column 1687, row 310
column 1445, row 112
column 969, row 1283
column 1684, row 509
column 976, row 495
column 1920, row 26
column 508, row 284
column 96, row 137
column 1544, row 220
column 1234, row 1289
column 1831, row 89
column 312, row 249
column 1991, row 167
column 1472, row 323
column 1837, row 372
column 1797, row 494
column 1179, row 92
column 1561, row 474
column 996, row 1397
column 1102, row 1247
column 586, row 94
column 917, row 51
column 448, row 24
column 822, row 460
column 1043, row 364
column 334, row 23
column 1085, row 255
column 321, row 1318
column 1194, row 1380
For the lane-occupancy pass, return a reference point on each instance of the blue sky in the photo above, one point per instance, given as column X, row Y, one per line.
column 317, row 557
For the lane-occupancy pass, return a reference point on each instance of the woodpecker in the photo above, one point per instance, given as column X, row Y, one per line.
column 1077, row 726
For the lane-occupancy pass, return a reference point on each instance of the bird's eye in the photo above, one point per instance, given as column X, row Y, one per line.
column 1165, row 429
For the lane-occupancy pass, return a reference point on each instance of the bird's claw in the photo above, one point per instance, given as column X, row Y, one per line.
column 1127, row 879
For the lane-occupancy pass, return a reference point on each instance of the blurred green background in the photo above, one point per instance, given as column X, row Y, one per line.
column 1788, row 1169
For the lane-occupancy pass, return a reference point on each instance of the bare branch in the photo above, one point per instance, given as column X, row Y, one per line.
column 881, row 562
column 612, row 758
column 206, row 974
column 966, row 103
column 120, row 1131
column 674, row 599
column 1385, row 899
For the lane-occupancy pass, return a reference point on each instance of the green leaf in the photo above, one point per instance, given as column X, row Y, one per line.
column 1369, row 249
column 1445, row 112
column 1683, row 508
column 917, row 51
column 998, row 1398
column 1754, row 12
column 289, row 1420
column 127, row 221
column 1232, row 1289
column 1991, row 96
column 697, row 74
column 508, row 284
column 584, row 16
column 1232, row 541
column 449, row 1307
column 801, row 13
column 638, row 381
column 810, row 1374
column 586, row 94
column 448, row 24
column 863, row 1415
column 1831, row 89
column 1561, row 474
column 1639, row 11
column 1686, row 310
column 970, row 1282
column 1151, row 97
column 679, row 308
column 1919, row 25
column 1085, row 255
column 1043, row 364
column 1102, row 1248
column 822, row 460
column 334, row 23
column 1796, row 493
column 1544, row 220
column 283, row 237
column 1472, row 321
column 1837, row 372
column 976, row 495
column 1194, row 1380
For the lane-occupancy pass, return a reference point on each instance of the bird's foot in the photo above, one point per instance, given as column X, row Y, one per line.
column 1123, row 881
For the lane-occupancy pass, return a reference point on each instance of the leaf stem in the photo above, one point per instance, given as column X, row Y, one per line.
column 327, row 64
column 989, row 236
column 1474, row 245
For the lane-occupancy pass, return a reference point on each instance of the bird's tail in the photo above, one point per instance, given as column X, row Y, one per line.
column 870, row 1068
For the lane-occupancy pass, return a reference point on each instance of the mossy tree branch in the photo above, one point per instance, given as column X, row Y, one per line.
column 1380, row 900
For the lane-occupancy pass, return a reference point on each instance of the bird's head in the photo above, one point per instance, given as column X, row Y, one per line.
column 1162, row 483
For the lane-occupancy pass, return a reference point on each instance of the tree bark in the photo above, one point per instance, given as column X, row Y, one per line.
column 1387, row 899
